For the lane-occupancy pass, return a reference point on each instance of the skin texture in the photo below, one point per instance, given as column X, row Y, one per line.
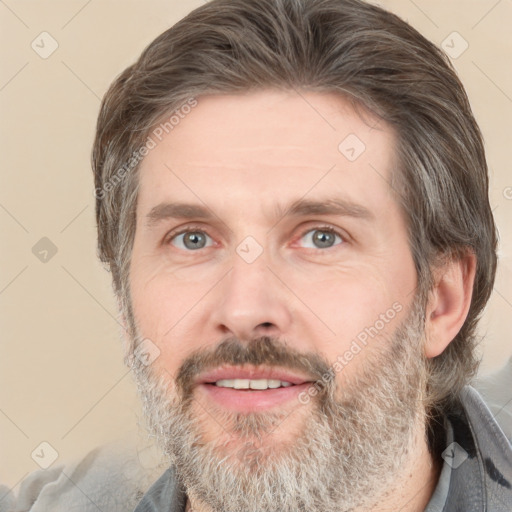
column 246, row 160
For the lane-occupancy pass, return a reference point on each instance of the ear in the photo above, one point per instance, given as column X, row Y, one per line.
column 449, row 302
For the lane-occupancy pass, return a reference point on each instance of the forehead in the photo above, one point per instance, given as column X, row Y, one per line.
column 269, row 146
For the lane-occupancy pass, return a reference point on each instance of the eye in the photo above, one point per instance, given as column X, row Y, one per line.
column 191, row 240
column 320, row 238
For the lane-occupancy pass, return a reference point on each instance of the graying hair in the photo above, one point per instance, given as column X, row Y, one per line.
column 348, row 47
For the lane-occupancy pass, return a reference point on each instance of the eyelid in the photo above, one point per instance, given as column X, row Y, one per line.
column 170, row 235
column 321, row 227
column 180, row 230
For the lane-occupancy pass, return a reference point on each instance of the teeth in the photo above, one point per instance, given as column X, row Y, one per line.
column 259, row 384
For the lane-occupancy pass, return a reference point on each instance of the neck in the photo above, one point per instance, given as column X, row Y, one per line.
column 413, row 487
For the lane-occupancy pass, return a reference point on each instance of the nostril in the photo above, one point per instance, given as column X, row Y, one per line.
column 267, row 324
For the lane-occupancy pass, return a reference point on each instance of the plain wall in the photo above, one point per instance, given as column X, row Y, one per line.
column 62, row 379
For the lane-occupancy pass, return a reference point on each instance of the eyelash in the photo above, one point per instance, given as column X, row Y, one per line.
column 187, row 229
column 327, row 229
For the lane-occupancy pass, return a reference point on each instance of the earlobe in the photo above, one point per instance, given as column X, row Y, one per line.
column 449, row 302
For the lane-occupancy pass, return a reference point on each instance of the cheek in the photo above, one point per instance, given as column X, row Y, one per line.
column 161, row 294
column 357, row 302
column 354, row 292
column 167, row 307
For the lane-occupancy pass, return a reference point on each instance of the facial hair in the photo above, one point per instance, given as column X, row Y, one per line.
column 353, row 440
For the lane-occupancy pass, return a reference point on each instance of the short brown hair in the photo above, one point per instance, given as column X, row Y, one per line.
column 346, row 46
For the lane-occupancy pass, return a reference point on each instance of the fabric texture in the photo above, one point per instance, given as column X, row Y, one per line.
column 110, row 478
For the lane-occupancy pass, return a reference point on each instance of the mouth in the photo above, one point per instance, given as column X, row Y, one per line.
column 251, row 389
column 254, row 384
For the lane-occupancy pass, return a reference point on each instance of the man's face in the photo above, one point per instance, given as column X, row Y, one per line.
column 269, row 248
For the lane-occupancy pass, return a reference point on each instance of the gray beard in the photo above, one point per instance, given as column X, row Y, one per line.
column 353, row 442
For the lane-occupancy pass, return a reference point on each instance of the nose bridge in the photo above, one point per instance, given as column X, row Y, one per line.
column 247, row 284
column 251, row 302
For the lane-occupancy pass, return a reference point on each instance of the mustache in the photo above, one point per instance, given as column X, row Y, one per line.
column 261, row 351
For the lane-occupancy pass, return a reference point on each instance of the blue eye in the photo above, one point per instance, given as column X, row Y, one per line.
column 320, row 239
column 191, row 240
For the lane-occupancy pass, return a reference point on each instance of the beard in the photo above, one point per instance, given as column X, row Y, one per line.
column 346, row 446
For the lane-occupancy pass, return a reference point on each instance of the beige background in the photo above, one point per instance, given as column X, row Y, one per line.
column 61, row 376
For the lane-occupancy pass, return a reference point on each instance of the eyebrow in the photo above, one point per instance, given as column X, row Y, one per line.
column 299, row 208
column 328, row 206
column 165, row 211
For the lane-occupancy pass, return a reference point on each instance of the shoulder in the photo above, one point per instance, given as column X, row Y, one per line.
column 496, row 391
column 166, row 494
column 110, row 477
column 488, row 418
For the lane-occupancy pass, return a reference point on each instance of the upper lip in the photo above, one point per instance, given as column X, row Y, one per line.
column 252, row 373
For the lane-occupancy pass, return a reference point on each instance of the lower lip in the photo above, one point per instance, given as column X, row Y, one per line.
column 249, row 400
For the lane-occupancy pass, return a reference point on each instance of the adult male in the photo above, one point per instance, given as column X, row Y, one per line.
column 292, row 199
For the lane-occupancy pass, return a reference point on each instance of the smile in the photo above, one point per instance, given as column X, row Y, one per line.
column 251, row 389
column 259, row 384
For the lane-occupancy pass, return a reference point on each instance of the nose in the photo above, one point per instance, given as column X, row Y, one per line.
column 251, row 302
